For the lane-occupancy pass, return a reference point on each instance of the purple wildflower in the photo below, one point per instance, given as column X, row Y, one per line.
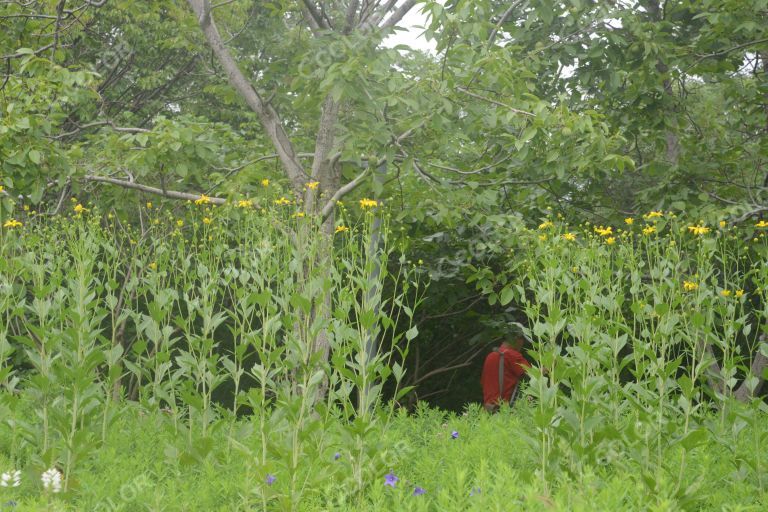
column 455, row 434
column 390, row 479
column 475, row 490
column 418, row 491
column 336, row 456
column 271, row 479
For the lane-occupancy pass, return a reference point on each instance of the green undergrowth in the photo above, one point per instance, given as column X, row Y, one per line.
column 462, row 462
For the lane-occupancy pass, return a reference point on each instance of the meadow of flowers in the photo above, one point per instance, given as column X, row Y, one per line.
column 221, row 357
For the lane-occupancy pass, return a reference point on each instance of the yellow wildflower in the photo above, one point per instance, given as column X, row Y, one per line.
column 610, row 240
column 298, row 215
column 762, row 224
column 153, row 265
column 368, row 203
column 265, row 182
column 652, row 215
column 1, row 189
column 689, row 286
column 179, row 223
column 629, row 221
column 739, row 293
column 282, row 201
column 723, row 223
column 149, row 206
column 698, row 230
column 79, row 208
column 341, row 229
column 156, row 222
column 603, row 231
column 649, row 230
column 542, row 237
column 207, row 220
column 204, row 199
column 245, row 203
column 12, row 223
column 312, row 185
column 725, row 293
column 26, row 207
column 546, row 225
column 569, row 236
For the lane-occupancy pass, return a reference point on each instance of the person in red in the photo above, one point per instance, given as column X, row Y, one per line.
column 506, row 375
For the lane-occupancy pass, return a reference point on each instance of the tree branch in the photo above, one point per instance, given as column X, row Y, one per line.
column 376, row 16
column 316, row 15
column 751, row 213
column 494, row 102
column 270, row 120
column 151, row 190
column 501, row 22
column 341, row 192
column 109, row 123
column 398, row 15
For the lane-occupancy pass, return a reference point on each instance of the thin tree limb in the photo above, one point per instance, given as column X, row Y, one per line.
column 495, row 102
column 398, row 15
column 342, row 191
column 501, row 22
column 270, row 120
column 109, row 123
column 152, row 190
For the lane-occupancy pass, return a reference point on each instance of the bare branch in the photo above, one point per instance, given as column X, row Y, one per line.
column 501, row 21
column 109, row 123
column 233, row 170
column 341, row 192
column 152, row 190
column 376, row 15
column 726, row 51
column 752, row 213
column 221, row 4
column 316, row 15
column 268, row 116
column 494, row 102
column 34, row 52
column 398, row 15
column 475, row 171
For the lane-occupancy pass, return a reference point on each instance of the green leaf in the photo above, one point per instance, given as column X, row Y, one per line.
column 34, row 156
column 507, row 294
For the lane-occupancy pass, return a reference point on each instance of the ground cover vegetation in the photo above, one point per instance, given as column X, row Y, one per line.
column 244, row 243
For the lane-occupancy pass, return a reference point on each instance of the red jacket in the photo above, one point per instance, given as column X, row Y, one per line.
column 515, row 366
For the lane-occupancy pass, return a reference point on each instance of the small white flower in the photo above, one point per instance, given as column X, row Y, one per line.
column 52, row 480
column 10, row 479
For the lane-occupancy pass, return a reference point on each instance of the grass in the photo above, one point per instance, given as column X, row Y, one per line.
column 144, row 465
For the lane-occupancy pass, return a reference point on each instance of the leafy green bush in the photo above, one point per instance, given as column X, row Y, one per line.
column 303, row 328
